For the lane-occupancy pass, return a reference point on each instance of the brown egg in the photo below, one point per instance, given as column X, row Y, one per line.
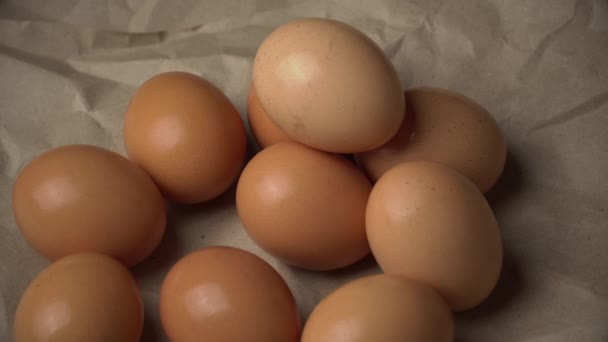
column 81, row 198
column 328, row 86
column 187, row 135
column 447, row 128
column 304, row 206
column 427, row 222
column 264, row 131
column 82, row 297
column 227, row 294
column 380, row 308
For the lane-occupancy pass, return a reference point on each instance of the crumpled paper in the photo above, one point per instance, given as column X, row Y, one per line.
column 69, row 67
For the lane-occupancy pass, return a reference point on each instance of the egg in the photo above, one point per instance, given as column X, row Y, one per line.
column 327, row 85
column 187, row 135
column 427, row 222
column 82, row 297
column 380, row 308
column 227, row 294
column 304, row 206
column 264, row 131
column 447, row 128
column 81, row 198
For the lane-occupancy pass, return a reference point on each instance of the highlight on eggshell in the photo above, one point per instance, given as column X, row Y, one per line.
column 329, row 86
column 81, row 297
column 187, row 135
column 227, row 294
column 83, row 198
column 427, row 222
column 304, row 206
column 380, row 308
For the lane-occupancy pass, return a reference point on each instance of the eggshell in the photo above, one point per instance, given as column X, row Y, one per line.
column 447, row 128
column 329, row 86
column 187, row 135
column 82, row 297
column 427, row 222
column 304, row 206
column 227, row 294
column 380, row 308
column 264, row 131
column 81, row 198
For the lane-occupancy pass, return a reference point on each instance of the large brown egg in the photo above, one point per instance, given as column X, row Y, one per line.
column 329, row 86
column 447, row 128
column 427, row 222
column 81, row 198
column 187, row 135
column 227, row 294
column 82, row 297
column 305, row 206
column 264, row 131
column 381, row 308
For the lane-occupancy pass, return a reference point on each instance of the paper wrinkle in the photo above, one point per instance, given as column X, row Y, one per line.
column 586, row 107
column 68, row 69
column 10, row 161
column 80, row 102
column 582, row 9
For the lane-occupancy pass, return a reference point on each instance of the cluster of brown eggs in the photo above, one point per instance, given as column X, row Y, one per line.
column 412, row 194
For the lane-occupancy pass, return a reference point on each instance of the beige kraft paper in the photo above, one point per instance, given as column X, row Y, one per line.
column 69, row 67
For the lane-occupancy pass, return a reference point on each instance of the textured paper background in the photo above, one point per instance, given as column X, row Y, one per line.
column 68, row 68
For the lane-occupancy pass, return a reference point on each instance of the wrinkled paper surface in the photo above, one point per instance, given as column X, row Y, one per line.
column 69, row 67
